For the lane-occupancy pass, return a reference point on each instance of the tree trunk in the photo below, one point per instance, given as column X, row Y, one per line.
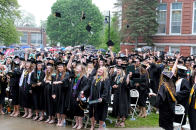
column 136, row 42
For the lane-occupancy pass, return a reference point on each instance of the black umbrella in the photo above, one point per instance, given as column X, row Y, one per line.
column 90, row 46
column 18, row 52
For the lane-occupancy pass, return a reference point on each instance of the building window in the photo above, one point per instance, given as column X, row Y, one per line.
column 23, row 39
column 176, row 17
column 194, row 51
column 36, row 38
column 194, row 17
column 175, row 49
column 160, row 48
column 162, row 18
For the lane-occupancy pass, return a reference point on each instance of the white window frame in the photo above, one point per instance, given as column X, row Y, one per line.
column 21, row 38
column 171, row 19
column 166, row 21
column 170, row 47
column 159, row 46
column 194, row 8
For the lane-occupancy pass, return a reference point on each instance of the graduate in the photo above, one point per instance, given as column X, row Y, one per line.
column 98, row 89
column 143, row 89
column 121, row 101
column 78, row 82
column 3, row 86
column 14, row 85
column 165, row 99
column 49, row 101
column 60, row 86
column 25, row 98
column 182, row 91
column 37, row 77
column 192, row 101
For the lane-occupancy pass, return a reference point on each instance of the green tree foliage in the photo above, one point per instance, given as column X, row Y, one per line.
column 8, row 12
column 141, row 17
column 43, row 23
column 26, row 19
column 114, row 35
column 69, row 29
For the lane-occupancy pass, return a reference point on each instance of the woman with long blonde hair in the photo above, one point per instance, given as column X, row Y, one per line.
column 25, row 99
column 77, row 84
column 49, row 102
column 99, row 89
column 60, row 84
column 121, row 98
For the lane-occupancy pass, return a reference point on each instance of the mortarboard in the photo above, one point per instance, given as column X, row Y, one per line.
column 88, row 28
column 128, row 25
column 112, row 66
column 22, row 58
column 60, row 64
column 167, row 73
column 110, row 43
column 119, row 67
column 144, row 66
column 50, row 64
column 82, row 48
column 39, row 62
column 57, row 14
column 29, row 60
column 194, row 66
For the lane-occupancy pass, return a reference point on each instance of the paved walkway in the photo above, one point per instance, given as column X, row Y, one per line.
column 19, row 123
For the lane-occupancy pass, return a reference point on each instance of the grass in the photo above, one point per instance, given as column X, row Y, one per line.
column 151, row 121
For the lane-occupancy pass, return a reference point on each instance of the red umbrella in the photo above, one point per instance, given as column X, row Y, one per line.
column 53, row 49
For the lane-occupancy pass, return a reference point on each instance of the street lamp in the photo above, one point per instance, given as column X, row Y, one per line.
column 42, row 31
column 109, row 25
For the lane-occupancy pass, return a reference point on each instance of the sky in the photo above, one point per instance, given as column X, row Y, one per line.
column 41, row 9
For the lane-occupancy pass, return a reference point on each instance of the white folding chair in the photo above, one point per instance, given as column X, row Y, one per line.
column 134, row 94
column 179, row 110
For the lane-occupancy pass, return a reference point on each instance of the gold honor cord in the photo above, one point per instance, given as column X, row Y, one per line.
column 97, row 80
column 191, row 95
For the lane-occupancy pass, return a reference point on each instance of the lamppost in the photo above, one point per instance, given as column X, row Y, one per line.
column 42, row 31
column 109, row 25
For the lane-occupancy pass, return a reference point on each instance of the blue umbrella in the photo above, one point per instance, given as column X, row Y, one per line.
column 102, row 50
column 3, row 47
column 24, row 46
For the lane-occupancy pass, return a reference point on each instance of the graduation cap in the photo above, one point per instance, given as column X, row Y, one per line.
column 16, row 62
column 88, row 28
column 60, row 64
column 60, row 53
column 181, row 67
column 144, row 66
column 84, row 64
column 110, row 43
column 38, row 62
column 50, row 64
column 82, row 48
column 83, row 15
column 128, row 25
column 119, row 67
column 180, row 62
column 29, row 60
column 112, row 66
column 89, row 62
column 104, row 60
column 15, row 57
column 22, row 58
column 57, row 14
column 194, row 66
column 167, row 73
column 1, row 54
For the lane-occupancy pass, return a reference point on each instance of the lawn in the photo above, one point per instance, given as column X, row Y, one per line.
column 150, row 121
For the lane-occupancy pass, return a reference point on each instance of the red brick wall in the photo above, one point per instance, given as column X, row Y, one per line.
column 185, row 50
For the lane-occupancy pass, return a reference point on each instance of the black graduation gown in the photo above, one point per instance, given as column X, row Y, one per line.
column 121, row 99
column 182, row 98
column 143, row 89
column 50, row 106
column 101, row 90
column 112, row 78
column 155, row 74
column 38, row 92
column 60, row 90
column 14, row 86
column 3, row 86
column 74, row 108
column 192, row 111
column 166, row 108
column 25, row 95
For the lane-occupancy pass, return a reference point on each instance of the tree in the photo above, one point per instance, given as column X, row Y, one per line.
column 8, row 12
column 141, row 17
column 70, row 29
column 43, row 23
column 114, row 35
column 26, row 19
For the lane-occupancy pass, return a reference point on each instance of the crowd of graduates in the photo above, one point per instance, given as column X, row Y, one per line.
column 60, row 83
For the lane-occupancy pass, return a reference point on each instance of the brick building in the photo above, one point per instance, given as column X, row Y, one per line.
column 177, row 27
column 32, row 36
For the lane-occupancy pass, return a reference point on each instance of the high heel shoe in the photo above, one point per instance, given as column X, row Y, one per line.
column 48, row 120
column 24, row 116
column 41, row 118
column 144, row 116
column 140, row 114
column 28, row 117
column 16, row 115
column 75, row 126
column 35, row 118
column 58, row 123
column 12, row 114
column 79, row 128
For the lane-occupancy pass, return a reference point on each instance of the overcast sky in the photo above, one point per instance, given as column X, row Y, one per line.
column 42, row 8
